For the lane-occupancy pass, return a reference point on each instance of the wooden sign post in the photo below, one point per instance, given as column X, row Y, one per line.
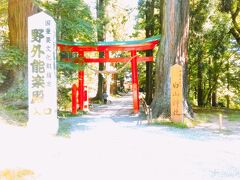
column 42, row 78
column 176, row 93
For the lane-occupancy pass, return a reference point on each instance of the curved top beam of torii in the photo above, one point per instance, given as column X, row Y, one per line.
column 111, row 43
column 106, row 47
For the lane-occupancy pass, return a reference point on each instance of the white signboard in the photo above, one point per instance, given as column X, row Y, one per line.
column 42, row 88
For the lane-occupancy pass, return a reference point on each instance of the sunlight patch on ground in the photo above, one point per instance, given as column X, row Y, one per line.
column 20, row 174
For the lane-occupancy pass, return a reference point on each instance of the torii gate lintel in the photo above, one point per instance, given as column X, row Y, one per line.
column 106, row 47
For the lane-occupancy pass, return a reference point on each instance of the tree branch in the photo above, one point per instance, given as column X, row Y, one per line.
column 235, row 34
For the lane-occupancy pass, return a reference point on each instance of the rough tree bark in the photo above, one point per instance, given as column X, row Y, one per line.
column 228, row 84
column 173, row 49
column 200, row 98
column 114, row 89
column 100, row 36
column 150, row 5
column 18, row 13
column 214, row 79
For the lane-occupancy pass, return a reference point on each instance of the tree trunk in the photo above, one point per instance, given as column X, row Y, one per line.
column 18, row 13
column 149, row 79
column 228, row 84
column 228, row 101
column 214, row 99
column 200, row 97
column 149, row 65
column 100, row 36
column 173, row 50
column 214, row 79
column 208, row 98
column 100, row 80
column 114, row 85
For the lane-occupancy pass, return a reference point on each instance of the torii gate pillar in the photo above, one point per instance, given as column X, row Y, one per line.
column 106, row 47
column 135, row 87
column 81, row 83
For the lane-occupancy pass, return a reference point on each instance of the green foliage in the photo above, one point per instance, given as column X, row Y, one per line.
column 199, row 14
column 69, row 67
column 14, row 115
column 148, row 24
column 171, row 124
column 14, row 105
column 74, row 23
column 234, row 117
column 64, row 98
column 232, row 8
column 212, row 114
column 67, row 75
column 2, row 78
column 3, row 22
column 213, row 60
column 144, row 21
column 18, row 93
column 113, row 20
column 73, row 19
column 10, row 58
column 3, row 8
column 66, row 114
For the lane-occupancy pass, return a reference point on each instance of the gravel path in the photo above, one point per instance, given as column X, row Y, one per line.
column 110, row 143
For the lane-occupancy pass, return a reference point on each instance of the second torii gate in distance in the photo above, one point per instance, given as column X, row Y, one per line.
column 106, row 48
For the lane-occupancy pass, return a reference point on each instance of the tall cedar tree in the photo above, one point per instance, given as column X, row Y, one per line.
column 18, row 13
column 100, row 37
column 173, row 50
column 149, row 29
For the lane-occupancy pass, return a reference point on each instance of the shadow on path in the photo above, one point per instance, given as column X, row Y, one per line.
column 120, row 114
column 119, row 111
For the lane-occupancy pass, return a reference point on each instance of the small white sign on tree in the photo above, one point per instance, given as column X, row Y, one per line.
column 42, row 78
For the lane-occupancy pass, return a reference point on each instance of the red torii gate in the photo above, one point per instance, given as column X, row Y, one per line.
column 106, row 47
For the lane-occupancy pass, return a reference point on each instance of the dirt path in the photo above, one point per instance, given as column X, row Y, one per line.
column 109, row 143
column 118, row 113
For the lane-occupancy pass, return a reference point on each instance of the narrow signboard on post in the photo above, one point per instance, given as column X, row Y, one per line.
column 176, row 93
column 42, row 88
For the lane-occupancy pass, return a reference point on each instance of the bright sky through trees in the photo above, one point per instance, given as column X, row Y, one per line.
column 132, row 4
